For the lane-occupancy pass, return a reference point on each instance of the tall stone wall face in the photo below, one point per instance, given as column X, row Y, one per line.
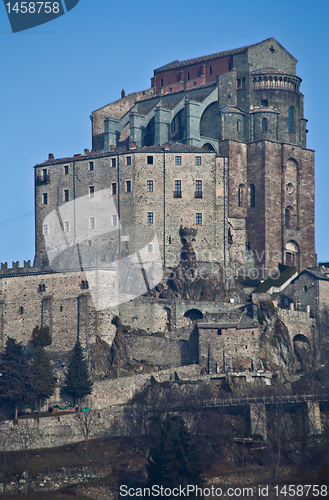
column 64, row 306
column 176, row 208
column 282, row 175
column 228, row 349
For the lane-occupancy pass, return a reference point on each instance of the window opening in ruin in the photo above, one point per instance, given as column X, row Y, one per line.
column 92, row 223
column 289, row 217
column 114, row 188
column 150, row 186
column 264, row 103
column 114, row 220
column 150, row 248
column 150, row 160
column 66, row 169
column 21, row 310
column 178, row 159
column 241, row 195
column 291, row 120
column 169, row 240
column 198, row 160
column 91, row 191
column 45, row 198
column 252, row 196
column 128, row 186
column 66, row 195
column 84, row 285
column 198, row 189
column 150, row 217
column 45, row 230
column 178, row 189
column 91, row 166
column 113, row 162
column 304, row 288
column 128, row 160
column 264, row 124
column 198, row 219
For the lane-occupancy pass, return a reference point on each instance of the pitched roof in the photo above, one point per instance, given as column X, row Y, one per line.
column 188, row 62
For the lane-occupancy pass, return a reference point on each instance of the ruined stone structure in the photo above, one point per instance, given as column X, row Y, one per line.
column 211, row 158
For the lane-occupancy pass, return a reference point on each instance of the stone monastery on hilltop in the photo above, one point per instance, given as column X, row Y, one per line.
column 213, row 158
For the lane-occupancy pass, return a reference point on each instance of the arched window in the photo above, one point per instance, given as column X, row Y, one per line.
column 238, row 125
column 291, row 119
column 288, row 213
column 264, row 125
column 292, row 253
column 252, row 195
column 241, row 195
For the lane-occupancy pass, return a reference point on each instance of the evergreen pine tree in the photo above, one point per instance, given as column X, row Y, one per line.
column 16, row 385
column 77, row 382
column 173, row 459
column 43, row 379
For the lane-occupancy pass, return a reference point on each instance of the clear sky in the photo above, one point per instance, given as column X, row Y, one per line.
column 53, row 76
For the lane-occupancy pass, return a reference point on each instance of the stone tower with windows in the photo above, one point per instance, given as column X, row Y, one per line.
column 241, row 112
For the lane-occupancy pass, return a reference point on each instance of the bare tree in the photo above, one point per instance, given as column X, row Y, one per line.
column 86, row 421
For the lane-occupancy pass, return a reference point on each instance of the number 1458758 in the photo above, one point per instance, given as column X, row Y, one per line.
column 33, row 7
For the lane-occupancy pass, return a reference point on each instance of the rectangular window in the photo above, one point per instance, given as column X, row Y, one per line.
column 66, row 195
column 178, row 160
column 66, row 170
column 45, row 198
column 150, row 248
column 128, row 186
column 264, row 103
column 91, row 166
column 128, row 160
column 198, row 219
column 198, row 189
column 91, row 191
column 198, row 160
column 44, row 174
column 67, row 226
column 114, row 188
column 114, row 220
column 150, row 217
column 178, row 189
column 150, row 186
column 113, row 162
column 45, row 230
column 150, row 160
column 92, row 223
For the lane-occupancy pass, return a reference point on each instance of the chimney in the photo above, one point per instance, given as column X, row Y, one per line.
column 50, row 156
column 112, row 147
column 78, row 154
column 166, row 146
column 123, row 93
column 86, row 152
column 132, row 145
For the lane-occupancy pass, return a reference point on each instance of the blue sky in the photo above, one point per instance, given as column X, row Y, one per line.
column 55, row 75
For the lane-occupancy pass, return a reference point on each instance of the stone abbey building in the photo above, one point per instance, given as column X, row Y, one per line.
column 217, row 144
column 213, row 154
